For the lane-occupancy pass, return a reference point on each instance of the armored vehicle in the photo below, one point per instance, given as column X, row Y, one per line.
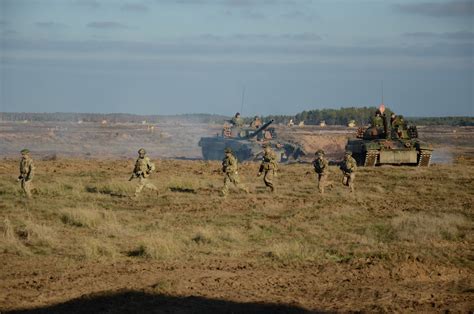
column 394, row 143
column 247, row 144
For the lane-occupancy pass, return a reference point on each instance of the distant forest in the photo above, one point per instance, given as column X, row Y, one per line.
column 331, row 116
column 362, row 116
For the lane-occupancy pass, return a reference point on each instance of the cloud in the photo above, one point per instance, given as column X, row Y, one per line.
column 298, row 15
column 135, row 7
column 302, row 37
column 453, row 8
column 50, row 25
column 236, row 3
column 460, row 35
column 8, row 32
column 231, row 51
column 252, row 15
column 3, row 23
column 107, row 25
column 91, row 4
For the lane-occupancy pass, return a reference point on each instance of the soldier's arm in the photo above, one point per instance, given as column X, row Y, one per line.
column 31, row 170
column 150, row 166
column 326, row 163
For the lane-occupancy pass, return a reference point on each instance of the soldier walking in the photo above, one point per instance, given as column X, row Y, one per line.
column 26, row 172
column 321, row 167
column 230, row 169
column 142, row 170
column 348, row 167
column 268, row 167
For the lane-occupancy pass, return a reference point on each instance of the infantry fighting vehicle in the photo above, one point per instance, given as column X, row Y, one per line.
column 395, row 143
column 247, row 144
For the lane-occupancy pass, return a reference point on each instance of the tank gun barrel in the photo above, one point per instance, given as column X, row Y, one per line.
column 260, row 129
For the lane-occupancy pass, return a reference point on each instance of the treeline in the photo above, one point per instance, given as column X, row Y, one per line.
column 109, row 117
column 340, row 116
column 452, row 121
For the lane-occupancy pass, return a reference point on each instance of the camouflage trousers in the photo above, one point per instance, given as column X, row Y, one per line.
column 322, row 182
column 348, row 180
column 144, row 183
column 268, row 179
column 26, row 186
column 232, row 177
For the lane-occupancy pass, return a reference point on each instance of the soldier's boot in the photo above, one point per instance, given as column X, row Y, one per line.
column 272, row 189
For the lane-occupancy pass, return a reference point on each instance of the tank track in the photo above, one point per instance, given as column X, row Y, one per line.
column 371, row 158
column 424, row 159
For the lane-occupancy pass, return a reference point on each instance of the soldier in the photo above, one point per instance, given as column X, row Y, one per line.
column 237, row 120
column 321, row 167
column 348, row 167
column 269, row 166
column 256, row 122
column 377, row 120
column 230, row 169
column 26, row 172
column 143, row 168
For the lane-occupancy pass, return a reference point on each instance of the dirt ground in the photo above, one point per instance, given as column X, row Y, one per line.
column 403, row 242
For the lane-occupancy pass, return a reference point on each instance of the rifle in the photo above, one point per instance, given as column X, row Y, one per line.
column 135, row 175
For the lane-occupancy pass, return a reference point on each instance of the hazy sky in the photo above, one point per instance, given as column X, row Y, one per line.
column 190, row 56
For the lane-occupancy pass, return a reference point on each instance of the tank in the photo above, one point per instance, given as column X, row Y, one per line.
column 247, row 144
column 395, row 143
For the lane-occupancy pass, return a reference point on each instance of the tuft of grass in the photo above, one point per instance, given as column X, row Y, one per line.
column 160, row 246
column 89, row 218
column 425, row 227
column 203, row 236
column 120, row 189
column 93, row 249
column 293, row 250
column 38, row 234
column 10, row 241
column 188, row 185
column 381, row 232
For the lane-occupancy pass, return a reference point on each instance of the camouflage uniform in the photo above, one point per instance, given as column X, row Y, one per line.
column 237, row 120
column 377, row 121
column 142, row 170
column 269, row 167
column 26, row 172
column 230, row 169
column 348, row 167
column 321, row 167
column 256, row 123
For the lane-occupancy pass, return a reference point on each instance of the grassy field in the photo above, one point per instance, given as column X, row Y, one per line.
column 402, row 242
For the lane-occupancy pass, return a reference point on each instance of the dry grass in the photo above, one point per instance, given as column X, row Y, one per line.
column 394, row 209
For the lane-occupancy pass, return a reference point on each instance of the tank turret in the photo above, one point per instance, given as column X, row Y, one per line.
column 247, row 142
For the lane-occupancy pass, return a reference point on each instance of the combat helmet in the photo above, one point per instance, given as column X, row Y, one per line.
column 142, row 151
column 228, row 150
column 319, row 152
column 25, row 151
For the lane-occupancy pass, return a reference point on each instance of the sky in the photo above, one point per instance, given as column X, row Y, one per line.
column 202, row 56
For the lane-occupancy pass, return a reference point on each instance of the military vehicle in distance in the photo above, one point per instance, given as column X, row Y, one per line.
column 394, row 143
column 247, row 144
